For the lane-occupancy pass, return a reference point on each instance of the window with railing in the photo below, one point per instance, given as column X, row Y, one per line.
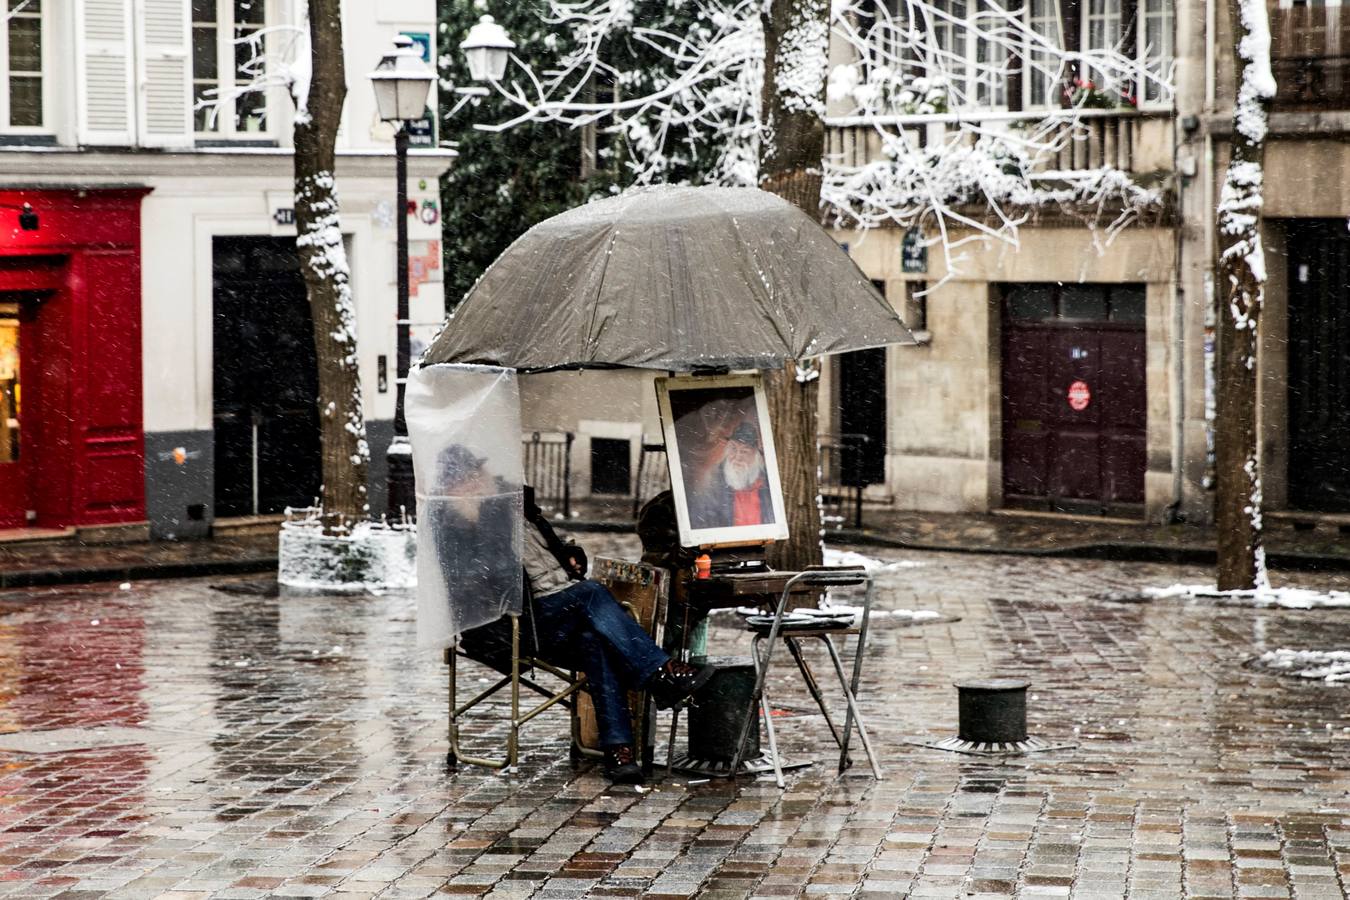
column 1310, row 54
column 1016, row 54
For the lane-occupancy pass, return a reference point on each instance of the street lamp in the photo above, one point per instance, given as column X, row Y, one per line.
column 402, row 82
column 486, row 48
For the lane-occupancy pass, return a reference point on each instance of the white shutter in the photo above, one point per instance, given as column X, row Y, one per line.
column 164, row 76
column 104, row 78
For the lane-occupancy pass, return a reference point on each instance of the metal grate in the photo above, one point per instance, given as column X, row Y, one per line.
column 548, row 469
column 652, row 476
column 841, row 481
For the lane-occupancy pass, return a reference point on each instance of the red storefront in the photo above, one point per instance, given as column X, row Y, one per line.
column 71, row 433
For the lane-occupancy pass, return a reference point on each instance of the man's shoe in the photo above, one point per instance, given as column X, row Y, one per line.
column 621, row 765
column 675, row 682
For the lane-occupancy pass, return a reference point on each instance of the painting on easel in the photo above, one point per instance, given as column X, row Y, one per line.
column 723, row 469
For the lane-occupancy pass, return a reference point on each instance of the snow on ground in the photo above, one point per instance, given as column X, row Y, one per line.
column 835, row 557
column 1326, row 665
column 1288, row 598
column 843, row 609
column 911, row 615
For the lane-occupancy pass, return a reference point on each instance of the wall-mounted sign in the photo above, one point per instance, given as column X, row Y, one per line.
column 423, row 41
column 1080, row 395
column 422, row 132
column 914, row 253
column 284, row 216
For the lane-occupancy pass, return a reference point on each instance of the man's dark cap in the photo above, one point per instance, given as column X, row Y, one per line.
column 458, row 462
column 746, row 433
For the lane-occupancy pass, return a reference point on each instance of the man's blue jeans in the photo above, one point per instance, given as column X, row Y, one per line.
column 583, row 627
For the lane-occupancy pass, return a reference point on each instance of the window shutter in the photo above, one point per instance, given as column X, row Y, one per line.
column 103, row 61
column 164, row 95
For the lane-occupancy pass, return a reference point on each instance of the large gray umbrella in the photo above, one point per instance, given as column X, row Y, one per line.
column 676, row 278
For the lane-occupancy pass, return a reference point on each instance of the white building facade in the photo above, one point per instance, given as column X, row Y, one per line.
column 200, row 337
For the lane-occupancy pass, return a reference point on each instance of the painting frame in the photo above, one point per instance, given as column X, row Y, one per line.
column 686, row 404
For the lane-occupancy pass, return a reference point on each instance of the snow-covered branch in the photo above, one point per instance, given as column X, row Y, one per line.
column 902, row 67
column 278, row 58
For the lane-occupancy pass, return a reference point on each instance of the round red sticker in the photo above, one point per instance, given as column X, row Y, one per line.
column 1080, row 395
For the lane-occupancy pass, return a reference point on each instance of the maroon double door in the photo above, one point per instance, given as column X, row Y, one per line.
column 1074, row 398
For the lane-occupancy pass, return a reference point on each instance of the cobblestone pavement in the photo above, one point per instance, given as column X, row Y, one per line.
column 294, row 747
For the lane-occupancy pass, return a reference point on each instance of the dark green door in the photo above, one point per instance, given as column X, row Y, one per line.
column 1319, row 364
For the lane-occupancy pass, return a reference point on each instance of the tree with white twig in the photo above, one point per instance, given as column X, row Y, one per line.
column 754, row 76
column 899, row 67
column 1242, row 277
column 307, row 61
column 323, row 260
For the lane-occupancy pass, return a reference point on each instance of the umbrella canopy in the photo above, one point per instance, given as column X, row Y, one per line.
column 674, row 278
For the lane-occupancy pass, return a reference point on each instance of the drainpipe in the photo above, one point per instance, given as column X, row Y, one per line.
column 1171, row 514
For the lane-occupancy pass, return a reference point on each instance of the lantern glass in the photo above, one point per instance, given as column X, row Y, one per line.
column 386, row 98
column 496, row 63
column 477, row 57
column 402, row 82
column 487, row 49
column 412, row 98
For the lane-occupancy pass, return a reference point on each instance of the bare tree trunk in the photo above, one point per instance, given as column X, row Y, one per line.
column 323, row 261
column 1242, row 273
column 796, row 42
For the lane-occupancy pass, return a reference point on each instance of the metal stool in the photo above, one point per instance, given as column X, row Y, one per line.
column 817, row 577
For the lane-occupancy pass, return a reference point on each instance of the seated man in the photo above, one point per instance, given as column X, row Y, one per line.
column 577, row 624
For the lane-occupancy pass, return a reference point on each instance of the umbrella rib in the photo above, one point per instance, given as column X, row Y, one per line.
column 593, row 340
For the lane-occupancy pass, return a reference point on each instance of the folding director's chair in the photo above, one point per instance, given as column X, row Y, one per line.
column 516, row 672
column 642, row 591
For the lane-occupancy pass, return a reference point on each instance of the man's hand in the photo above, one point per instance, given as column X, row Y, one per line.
column 576, row 563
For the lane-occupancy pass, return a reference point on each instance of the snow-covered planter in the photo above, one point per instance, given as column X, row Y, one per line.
column 372, row 556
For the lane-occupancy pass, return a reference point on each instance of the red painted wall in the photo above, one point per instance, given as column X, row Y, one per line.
column 81, row 371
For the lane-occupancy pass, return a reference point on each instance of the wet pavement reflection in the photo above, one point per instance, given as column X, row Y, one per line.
column 209, row 738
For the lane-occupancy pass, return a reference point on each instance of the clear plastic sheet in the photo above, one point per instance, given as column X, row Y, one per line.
column 464, row 424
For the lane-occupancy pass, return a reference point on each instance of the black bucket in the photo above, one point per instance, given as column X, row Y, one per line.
column 722, row 705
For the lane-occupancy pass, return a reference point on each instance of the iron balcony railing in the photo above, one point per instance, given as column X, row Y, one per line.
column 548, row 469
column 1310, row 56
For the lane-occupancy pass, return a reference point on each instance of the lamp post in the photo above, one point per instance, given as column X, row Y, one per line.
column 402, row 82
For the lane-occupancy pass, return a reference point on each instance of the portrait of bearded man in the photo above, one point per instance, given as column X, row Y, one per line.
column 736, row 491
